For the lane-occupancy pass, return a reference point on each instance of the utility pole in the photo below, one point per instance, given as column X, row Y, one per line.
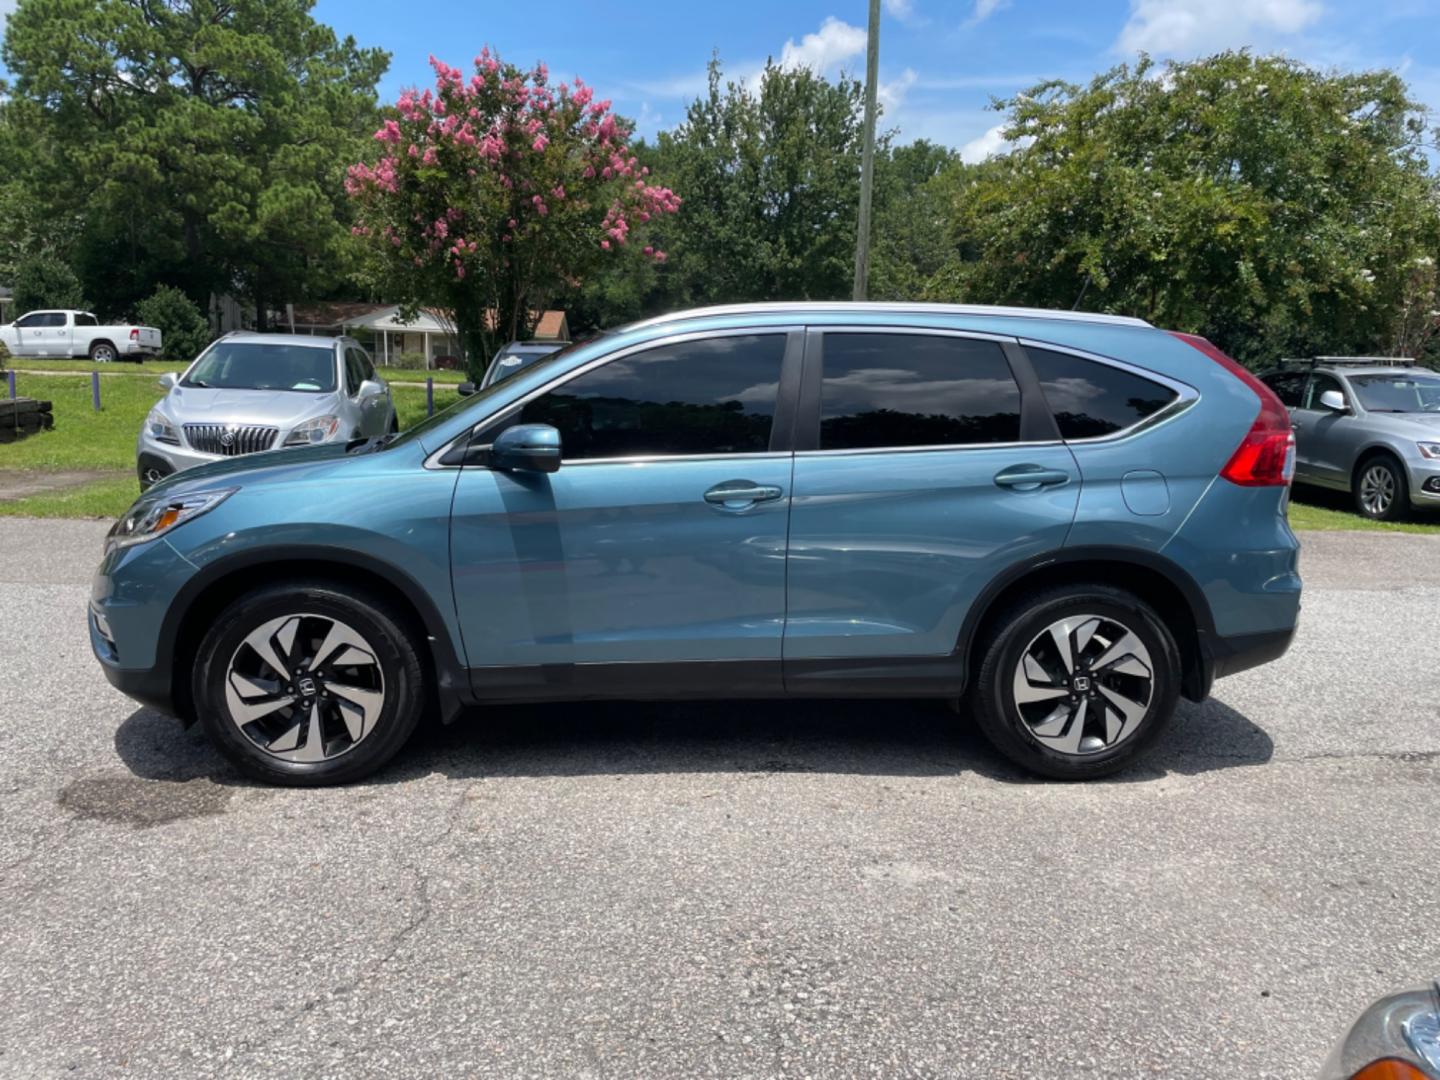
column 867, row 159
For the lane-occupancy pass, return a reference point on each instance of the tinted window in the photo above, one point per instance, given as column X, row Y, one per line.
column 1289, row 387
column 353, row 376
column 43, row 318
column 367, row 368
column 257, row 365
column 85, row 319
column 1318, row 385
column 714, row 396
column 887, row 390
column 1090, row 399
column 30, row 320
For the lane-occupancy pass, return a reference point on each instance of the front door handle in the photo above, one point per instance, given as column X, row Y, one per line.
column 738, row 494
column 1030, row 477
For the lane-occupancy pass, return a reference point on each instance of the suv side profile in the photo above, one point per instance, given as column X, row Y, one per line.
column 1368, row 426
column 1067, row 520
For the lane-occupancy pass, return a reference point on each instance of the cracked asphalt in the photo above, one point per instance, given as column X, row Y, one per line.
column 717, row 889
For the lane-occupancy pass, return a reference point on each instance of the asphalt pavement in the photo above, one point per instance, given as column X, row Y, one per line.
column 721, row 889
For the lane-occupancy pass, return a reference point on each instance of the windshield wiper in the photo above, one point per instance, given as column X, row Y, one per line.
column 198, row 382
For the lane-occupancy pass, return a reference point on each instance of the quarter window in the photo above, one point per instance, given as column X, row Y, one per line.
column 1090, row 400
column 709, row 396
column 1289, row 387
column 899, row 390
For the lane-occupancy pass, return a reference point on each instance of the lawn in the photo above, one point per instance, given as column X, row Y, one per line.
column 159, row 367
column 86, row 439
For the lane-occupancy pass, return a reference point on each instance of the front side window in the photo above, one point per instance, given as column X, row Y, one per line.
column 898, row 390
column 354, row 375
column 1319, row 384
column 261, row 365
column 1089, row 399
column 1401, row 392
column 708, row 396
column 33, row 319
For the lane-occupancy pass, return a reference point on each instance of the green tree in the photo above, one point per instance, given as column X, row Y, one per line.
column 184, row 331
column 200, row 141
column 489, row 196
column 1274, row 208
column 771, row 176
column 915, row 186
column 43, row 281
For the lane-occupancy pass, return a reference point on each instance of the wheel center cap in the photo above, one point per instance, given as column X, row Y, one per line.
column 306, row 686
column 1082, row 683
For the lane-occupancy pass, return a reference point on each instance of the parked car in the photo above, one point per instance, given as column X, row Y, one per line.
column 1071, row 520
column 1369, row 426
column 1396, row 1038
column 249, row 393
column 78, row 333
column 517, row 356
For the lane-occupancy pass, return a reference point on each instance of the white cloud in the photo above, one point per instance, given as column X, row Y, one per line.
column 892, row 94
column 826, row 49
column 984, row 146
column 6, row 7
column 985, row 8
column 1191, row 27
column 901, row 9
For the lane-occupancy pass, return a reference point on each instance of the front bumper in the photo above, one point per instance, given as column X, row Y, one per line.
column 1425, row 484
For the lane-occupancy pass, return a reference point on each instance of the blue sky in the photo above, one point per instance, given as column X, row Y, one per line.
column 941, row 60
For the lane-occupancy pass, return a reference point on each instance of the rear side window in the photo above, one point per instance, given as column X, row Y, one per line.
column 899, row 390
column 1289, row 387
column 1089, row 399
column 85, row 319
column 710, row 396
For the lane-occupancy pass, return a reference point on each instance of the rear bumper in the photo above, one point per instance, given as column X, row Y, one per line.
column 1241, row 652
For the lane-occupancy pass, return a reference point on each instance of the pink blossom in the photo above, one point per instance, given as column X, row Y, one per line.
column 558, row 191
column 605, row 244
column 389, row 132
column 539, row 144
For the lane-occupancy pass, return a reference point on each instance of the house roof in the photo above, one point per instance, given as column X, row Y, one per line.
column 552, row 326
column 335, row 313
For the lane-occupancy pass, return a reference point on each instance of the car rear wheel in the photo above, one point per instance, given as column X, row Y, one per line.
column 1381, row 492
column 302, row 684
column 1077, row 681
column 102, row 352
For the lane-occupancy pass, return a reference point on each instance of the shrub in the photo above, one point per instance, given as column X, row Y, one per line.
column 43, row 281
column 183, row 328
column 4, row 355
column 409, row 361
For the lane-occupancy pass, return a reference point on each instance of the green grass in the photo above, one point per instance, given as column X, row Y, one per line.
column 1323, row 510
column 84, row 367
column 107, row 498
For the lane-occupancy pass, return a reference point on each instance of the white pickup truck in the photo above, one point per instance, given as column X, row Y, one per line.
column 78, row 333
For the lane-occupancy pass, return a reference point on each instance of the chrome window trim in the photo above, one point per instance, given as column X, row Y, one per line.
column 844, row 307
column 1186, row 395
column 433, row 461
column 928, row 449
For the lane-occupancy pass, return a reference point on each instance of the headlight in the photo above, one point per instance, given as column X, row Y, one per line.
column 317, row 429
column 160, row 427
column 150, row 518
column 1430, row 449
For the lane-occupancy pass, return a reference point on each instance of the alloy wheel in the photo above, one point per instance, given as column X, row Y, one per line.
column 104, row 354
column 1377, row 490
column 304, row 688
column 1083, row 684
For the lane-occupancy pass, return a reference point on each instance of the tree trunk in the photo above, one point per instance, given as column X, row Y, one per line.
column 262, row 320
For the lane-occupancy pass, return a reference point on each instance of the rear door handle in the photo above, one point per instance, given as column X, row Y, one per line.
column 738, row 494
column 1030, row 477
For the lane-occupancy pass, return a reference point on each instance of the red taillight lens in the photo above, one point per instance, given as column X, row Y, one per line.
column 134, row 333
column 1266, row 456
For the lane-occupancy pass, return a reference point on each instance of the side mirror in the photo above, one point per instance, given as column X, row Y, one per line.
column 1334, row 401
column 465, row 389
column 168, row 381
column 369, row 388
column 531, row 447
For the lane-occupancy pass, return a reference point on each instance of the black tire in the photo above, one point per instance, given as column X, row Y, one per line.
column 992, row 695
column 387, row 632
column 1368, row 504
column 102, row 352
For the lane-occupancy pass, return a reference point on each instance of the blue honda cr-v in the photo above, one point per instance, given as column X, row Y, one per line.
column 1067, row 520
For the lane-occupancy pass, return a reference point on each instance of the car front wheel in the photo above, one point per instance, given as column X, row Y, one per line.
column 1381, row 493
column 300, row 683
column 1076, row 681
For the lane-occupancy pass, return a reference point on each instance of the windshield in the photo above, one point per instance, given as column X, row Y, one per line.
column 261, row 365
column 476, row 402
column 509, row 361
column 1402, row 392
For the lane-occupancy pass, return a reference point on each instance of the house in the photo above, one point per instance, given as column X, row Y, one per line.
column 380, row 329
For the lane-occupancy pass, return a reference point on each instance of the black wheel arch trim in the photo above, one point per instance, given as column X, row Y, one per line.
column 452, row 685
column 1200, row 670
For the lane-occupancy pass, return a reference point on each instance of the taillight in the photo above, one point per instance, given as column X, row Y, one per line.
column 134, row 333
column 1266, row 456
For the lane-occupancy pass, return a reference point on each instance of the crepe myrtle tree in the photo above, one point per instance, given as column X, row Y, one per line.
column 488, row 196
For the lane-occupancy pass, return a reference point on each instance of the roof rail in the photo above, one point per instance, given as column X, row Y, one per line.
column 839, row 307
column 1354, row 361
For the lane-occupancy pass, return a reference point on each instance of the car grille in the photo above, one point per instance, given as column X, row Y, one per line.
column 231, row 440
